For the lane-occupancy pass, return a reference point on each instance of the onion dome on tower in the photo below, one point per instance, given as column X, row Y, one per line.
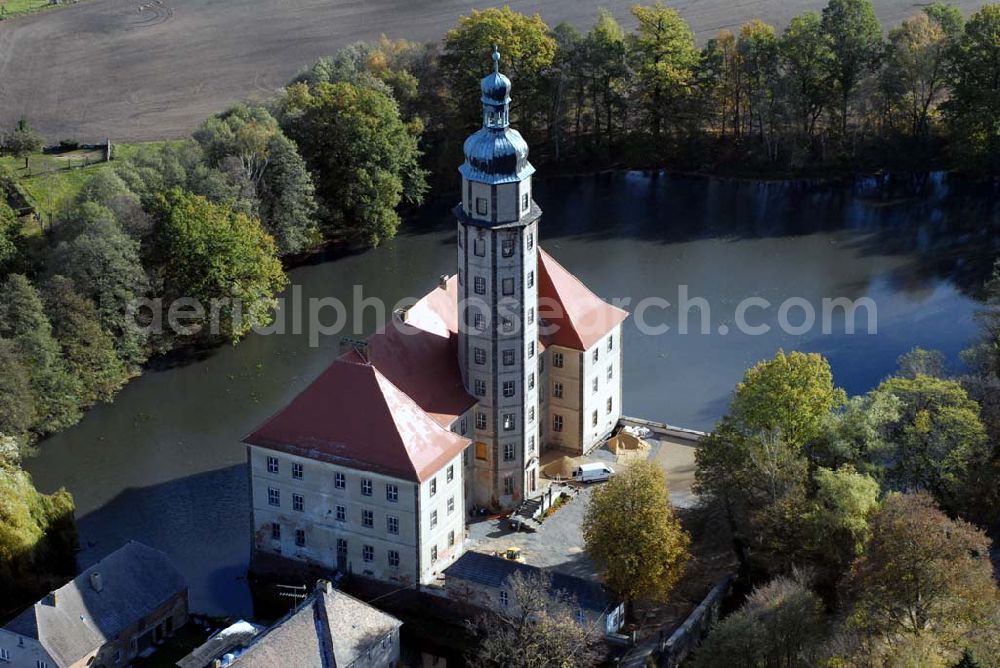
column 496, row 153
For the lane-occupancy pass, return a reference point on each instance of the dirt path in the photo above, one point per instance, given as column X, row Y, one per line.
column 152, row 69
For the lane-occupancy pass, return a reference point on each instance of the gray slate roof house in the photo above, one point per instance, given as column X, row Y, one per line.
column 329, row 629
column 486, row 576
column 124, row 597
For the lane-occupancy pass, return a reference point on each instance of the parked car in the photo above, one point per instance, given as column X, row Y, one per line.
column 596, row 472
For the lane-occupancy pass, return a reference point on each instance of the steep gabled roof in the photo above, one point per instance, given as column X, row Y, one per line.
column 576, row 316
column 353, row 415
column 135, row 581
column 330, row 629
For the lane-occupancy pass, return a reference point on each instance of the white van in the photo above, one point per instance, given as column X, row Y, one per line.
column 595, row 472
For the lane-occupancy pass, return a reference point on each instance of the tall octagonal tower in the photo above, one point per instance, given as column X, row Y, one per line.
column 498, row 302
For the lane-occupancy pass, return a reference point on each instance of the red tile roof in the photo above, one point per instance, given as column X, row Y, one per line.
column 353, row 415
column 576, row 317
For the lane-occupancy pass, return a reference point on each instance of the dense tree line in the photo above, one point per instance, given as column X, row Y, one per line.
column 871, row 513
column 829, row 92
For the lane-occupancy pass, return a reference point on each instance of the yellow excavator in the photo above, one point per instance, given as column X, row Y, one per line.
column 511, row 553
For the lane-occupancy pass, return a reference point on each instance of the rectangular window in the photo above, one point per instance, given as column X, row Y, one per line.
column 479, row 322
column 297, row 502
column 366, row 487
column 531, row 315
column 479, row 247
column 479, row 387
column 4, row 654
column 531, row 381
column 531, row 279
column 434, row 486
column 508, row 286
column 393, row 558
column 507, row 247
column 392, row 524
column 341, row 513
column 273, row 497
column 479, row 285
column 392, row 493
column 596, row 354
column 434, row 553
column 525, row 201
column 531, row 443
column 508, row 452
column 504, row 599
column 451, row 538
column 368, row 553
column 480, row 450
column 272, row 464
column 480, row 355
column 609, row 405
column 450, row 473
column 557, row 360
column 594, row 386
column 434, row 518
column 367, row 519
column 481, row 207
column 339, row 480
column 593, row 419
column 480, row 420
column 508, row 358
column 531, row 414
column 451, row 505
column 465, row 457
column 557, row 423
column 508, row 422
column 557, row 389
column 531, row 240
column 275, row 531
column 508, row 388
column 611, row 372
column 508, row 324
column 611, row 342
column 464, row 426
column 300, row 537
column 508, row 485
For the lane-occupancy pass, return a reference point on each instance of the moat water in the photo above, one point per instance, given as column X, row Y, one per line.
column 164, row 463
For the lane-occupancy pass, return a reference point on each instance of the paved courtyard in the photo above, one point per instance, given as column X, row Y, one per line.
column 558, row 543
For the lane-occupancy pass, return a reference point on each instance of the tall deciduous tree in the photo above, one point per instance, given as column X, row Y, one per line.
column 806, row 60
column 916, row 69
column 974, row 107
column 664, row 57
column 213, row 255
column 633, row 536
column 56, row 392
column 22, row 141
column 923, row 576
column 527, row 50
column 288, row 206
column 364, row 156
column 17, row 401
column 88, row 350
column 104, row 265
column 854, row 38
column 539, row 628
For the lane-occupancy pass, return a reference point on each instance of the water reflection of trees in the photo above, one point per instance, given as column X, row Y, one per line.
column 948, row 228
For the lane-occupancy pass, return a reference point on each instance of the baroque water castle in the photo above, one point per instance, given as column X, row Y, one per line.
column 375, row 466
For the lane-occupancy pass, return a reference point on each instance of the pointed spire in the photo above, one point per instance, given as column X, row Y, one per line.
column 496, row 58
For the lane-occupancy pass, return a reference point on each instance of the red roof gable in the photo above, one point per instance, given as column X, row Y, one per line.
column 353, row 415
column 576, row 317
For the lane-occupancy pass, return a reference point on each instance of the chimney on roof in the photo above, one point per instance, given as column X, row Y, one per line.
column 443, row 281
column 399, row 315
column 96, row 581
column 324, row 586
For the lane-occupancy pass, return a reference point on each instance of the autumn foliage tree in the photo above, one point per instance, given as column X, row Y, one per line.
column 634, row 537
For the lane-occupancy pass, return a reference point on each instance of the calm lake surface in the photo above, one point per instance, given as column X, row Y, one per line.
column 164, row 463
